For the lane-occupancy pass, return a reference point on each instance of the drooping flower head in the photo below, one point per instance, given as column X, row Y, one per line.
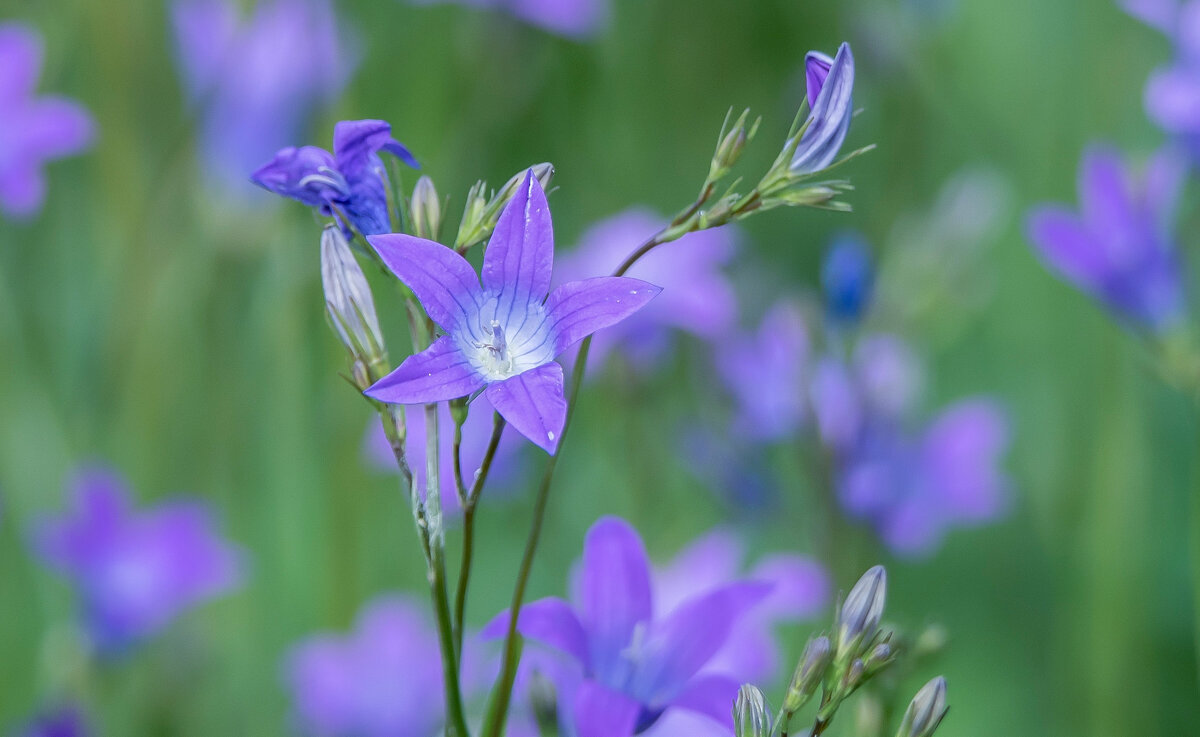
column 384, row 679
column 135, row 571
column 830, row 87
column 503, row 334
column 350, row 181
column 765, row 374
column 255, row 81
column 33, row 130
column 633, row 660
column 697, row 296
column 1118, row 248
column 577, row 19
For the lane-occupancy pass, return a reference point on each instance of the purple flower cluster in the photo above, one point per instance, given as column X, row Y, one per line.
column 1172, row 95
column 33, row 129
column 255, row 81
column 135, row 571
column 577, row 19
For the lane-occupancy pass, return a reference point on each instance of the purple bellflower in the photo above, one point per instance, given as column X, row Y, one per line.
column 635, row 662
column 764, row 372
column 697, row 297
column 847, row 278
column 254, row 81
column 33, row 129
column 505, row 333
column 135, row 571
column 1172, row 94
column 1118, row 249
column 384, row 679
column 63, row 721
column 830, row 88
column 575, row 19
column 351, row 181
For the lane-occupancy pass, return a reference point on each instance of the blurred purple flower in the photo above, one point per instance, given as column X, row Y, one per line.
column 256, row 81
column 577, row 19
column 1172, row 95
column 882, row 382
column 33, row 129
column 351, row 181
column 506, row 334
column 64, row 721
column 1118, row 248
column 696, row 297
column 847, row 278
column 635, row 660
column 135, row 571
column 476, row 433
column 384, row 679
column 830, row 84
column 801, row 588
column 765, row 373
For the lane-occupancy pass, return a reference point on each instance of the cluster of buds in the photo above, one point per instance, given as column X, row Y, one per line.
column 350, row 309
column 481, row 211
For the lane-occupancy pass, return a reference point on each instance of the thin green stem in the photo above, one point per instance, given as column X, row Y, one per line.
column 1195, row 550
column 468, row 544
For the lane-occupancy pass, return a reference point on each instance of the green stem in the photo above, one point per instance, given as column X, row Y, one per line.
column 1195, row 545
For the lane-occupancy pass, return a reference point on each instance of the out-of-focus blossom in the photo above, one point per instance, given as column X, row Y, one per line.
column 801, row 589
column 1118, row 248
column 847, row 278
column 350, row 181
column 634, row 660
column 135, row 571
column 881, row 382
column 33, row 129
column 64, row 721
column 505, row 334
column 765, row 373
column 476, row 434
column 1172, row 94
column 577, row 19
column 830, row 87
column 697, row 297
column 384, row 679
column 255, row 81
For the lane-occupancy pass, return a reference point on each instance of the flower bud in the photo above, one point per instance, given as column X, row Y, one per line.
column 830, row 85
column 854, row 676
column 731, row 145
column 925, row 712
column 881, row 655
column 458, row 411
column 847, row 278
column 480, row 215
column 861, row 612
column 809, row 673
column 350, row 307
column 425, row 209
column 751, row 715
column 542, row 172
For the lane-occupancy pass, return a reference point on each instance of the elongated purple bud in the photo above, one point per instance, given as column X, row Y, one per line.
column 926, row 711
column 862, row 611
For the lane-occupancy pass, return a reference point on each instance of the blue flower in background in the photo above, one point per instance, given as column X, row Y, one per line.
column 63, row 721
column 1172, row 94
column 847, row 278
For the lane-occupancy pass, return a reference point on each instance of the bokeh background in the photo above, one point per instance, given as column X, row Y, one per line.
column 170, row 323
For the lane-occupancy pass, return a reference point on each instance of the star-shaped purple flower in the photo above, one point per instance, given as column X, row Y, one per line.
column 352, row 179
column 135, row 571
column 636, row 663
column 33, row 129
column 505, row 333
column 830, row 88
column 1118, row 248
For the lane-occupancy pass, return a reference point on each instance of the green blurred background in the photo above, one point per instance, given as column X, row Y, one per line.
column 145, row 325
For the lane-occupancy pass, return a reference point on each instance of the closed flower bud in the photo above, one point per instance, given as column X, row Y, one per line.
column 854, row 675
column 809, row 673
column 861, row 612
column 480, row 214
column 751, row 715
column 425, row 209
column 350, row 307
column 731, row 145
column 880, row 656
column 543, row 172
column 925, row 712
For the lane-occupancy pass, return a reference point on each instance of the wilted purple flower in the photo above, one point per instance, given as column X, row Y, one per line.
column 800, row 589
column 135, row 571
column 636, row 660
column 697, row 297
column 830, row 84
column 1118, row 248
column 505, row 334
column 64, row 721
column 255, row 81
column 33, row 129
column 576, row 19
column 847, row 277
column 476, row 433
column 765, row 373
column 384, row 679
column 351, row 181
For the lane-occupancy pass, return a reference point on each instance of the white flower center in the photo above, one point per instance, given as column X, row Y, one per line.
column 507, row 339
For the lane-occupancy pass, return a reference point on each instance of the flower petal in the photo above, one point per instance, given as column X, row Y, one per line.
column 550, row 621
column 55, row 126
column 534, row 404
column 711, row 695
column 1105, row 196
column 520, row 254
column 288, row 174
column 443, row 281
column 580, row 308
column 21, row 52
column 816, row 71
column 355, row 142
column 602, row 712
column 438, row 373
column 830, row 117
column 616, row 593
column 1068, row 247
